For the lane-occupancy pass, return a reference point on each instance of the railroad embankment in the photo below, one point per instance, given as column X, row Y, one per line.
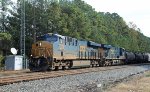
column 140, row 83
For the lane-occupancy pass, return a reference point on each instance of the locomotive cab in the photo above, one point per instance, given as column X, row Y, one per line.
column 42, row 53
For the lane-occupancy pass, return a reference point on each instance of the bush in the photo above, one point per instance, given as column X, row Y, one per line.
column 5, row 36
column 5, row 41
column 1, row 61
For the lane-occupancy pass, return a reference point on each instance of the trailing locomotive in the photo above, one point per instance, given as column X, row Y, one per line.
column 54, row 51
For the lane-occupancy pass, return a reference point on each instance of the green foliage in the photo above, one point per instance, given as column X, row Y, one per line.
column 4, row 8
column 5, row 43
column 147, row 74
column 5, row 36
column 77, row 19
column 1, row 61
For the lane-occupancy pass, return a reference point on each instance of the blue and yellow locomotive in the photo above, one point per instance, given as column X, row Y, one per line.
column 54, row 51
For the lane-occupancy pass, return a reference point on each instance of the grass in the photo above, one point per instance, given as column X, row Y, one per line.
column 148, row 74
column 136, row 85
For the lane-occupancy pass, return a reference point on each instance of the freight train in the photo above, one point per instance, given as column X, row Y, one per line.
column 54, row 51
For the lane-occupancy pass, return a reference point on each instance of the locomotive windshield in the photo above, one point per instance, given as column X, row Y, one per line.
column 47, row 37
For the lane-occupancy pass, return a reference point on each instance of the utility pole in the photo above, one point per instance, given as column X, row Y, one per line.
column 34, row 26
column 22, row 31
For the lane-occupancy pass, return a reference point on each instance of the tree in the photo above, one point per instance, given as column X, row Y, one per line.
column 77, row 19
column 4, row 4
column 5, row 43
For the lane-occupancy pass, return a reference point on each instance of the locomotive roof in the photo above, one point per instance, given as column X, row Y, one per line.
column 94, row 44
column 58, row 35
column 107, row 46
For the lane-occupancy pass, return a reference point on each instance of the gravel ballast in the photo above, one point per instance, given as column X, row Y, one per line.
column 88, row 82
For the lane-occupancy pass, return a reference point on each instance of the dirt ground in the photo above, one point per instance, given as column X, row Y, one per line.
column 138, row 84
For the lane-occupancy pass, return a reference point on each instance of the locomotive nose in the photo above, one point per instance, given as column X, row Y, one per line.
column 42, row 49
column 41, row 56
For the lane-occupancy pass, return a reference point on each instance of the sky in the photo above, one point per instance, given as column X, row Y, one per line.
column 136, row 11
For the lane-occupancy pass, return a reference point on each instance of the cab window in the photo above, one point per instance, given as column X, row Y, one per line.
column 76, row 43
column 60, row 40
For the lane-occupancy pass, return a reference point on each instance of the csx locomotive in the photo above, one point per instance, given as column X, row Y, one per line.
column 54, row 51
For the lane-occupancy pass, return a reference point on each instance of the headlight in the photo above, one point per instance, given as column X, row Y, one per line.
column 40, row 44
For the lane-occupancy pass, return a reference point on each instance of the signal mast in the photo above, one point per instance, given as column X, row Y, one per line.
column 22, row 30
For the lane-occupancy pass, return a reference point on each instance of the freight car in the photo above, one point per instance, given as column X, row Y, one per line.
column 54, row 51
column 145, row 58
column 130, row 57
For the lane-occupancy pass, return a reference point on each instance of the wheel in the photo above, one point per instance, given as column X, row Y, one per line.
column 70, row 64
column 56, row 68
column 63, row 67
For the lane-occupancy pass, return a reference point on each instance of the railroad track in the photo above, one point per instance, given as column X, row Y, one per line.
column 44, row 75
